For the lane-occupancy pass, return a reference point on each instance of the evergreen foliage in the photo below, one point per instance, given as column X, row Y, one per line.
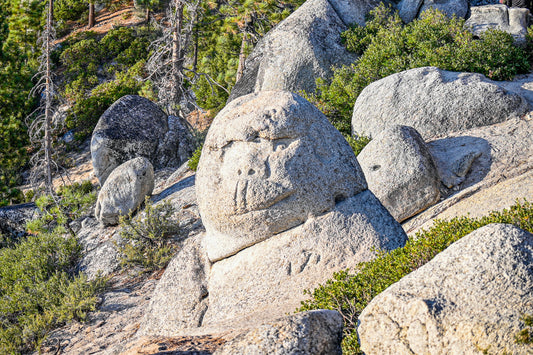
column 525, row 336
column 349, row 291
column 20, row 23
column 38, row 284
column 85, row 57
column 195, row 159
column 222, row 28
column 149, row 239
column 389, row 46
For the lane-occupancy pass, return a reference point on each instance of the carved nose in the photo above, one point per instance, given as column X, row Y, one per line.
column 252, row 168
column 246, row 172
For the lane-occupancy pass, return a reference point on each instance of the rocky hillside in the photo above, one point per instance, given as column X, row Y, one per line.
column 214, row 258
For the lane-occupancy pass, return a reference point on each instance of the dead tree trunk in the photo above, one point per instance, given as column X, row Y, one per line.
column 242, row 57
column 42, row 126
column 48, row 97
column 92, row 20
column 177, row 55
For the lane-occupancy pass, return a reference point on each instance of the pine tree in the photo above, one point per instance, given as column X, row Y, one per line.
column 230, row 29
column 171, row 66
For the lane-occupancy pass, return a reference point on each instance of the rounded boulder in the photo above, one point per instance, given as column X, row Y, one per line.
column 270, row 161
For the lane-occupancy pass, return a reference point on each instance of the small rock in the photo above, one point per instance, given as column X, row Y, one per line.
column 400, row 171
column 457, row 8
column 315, row 332
column 124, row 190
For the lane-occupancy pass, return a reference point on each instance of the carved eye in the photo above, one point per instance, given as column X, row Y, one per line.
column 279, row 147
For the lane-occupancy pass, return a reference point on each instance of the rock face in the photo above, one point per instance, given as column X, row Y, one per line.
column 314, row 332
column 13, row 219
column 134, row 126
column 454, row 157
column 434, row 102
column 180, row 299
column 124, row 190
column 400, row 171
column 468, row 300
column 411, row 9
column 297, row 51
column 513, row 20
column 177, row 144
column 100, row 254
column 270, row 161
column 270, row 273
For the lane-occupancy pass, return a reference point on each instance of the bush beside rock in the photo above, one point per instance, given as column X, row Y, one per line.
column 469, row 299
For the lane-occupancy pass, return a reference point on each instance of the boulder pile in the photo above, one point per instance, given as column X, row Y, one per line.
column 284, row 203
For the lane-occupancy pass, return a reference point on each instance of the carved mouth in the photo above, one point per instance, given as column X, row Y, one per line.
column 256, row 195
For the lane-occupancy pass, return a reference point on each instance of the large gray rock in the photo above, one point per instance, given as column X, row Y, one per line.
column 131, row 127
column 124, row 190
column 513, row 20
column 411, row 9
column 315, row 332
column 272, row 274
column 354, row 11
column 435, row 102
column 276, row 179
column 457, row 8
column 400, row 171
column 300, row 49
column 270, row 161
column 180, row 298
column 136, row 127
column 468, row 300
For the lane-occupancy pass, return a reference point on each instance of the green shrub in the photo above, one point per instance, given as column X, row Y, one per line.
column 350, row 291
column 72, row 202
column 149, row 240
column 357, row 143
column 389, row 46
column 195, row 159
column 82, row 58
column 525, row 336
column 118, row 57
column 66, row 11
column 13, row 156
column 38, row 286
